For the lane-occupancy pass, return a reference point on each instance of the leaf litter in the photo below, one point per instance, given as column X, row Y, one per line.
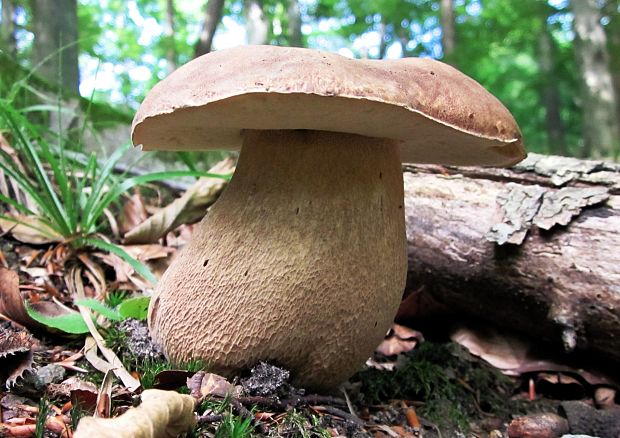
column 410, row 388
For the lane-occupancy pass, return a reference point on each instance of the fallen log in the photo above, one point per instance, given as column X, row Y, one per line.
column 534, row 248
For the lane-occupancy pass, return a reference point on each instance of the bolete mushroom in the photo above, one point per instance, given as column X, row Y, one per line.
column 302, row 261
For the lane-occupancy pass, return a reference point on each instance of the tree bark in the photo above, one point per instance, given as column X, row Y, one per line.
column 257, row 26
column 171, row 53
column 600, row 123
column 213, row 15
column 55, row 49
column 7, row 29
column 550, row 92
column 558, row 280
column 295, row 37
column 613, row 40
column 448, row 39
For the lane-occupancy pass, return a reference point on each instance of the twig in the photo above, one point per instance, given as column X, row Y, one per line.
column 340, row 413
column 242, row 411
column 291, row 402
column 209, row 418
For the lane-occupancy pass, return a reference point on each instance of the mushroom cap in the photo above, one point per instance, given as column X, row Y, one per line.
column 438, row 114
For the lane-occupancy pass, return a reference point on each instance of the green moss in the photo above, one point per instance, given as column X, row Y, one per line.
column 453, row 388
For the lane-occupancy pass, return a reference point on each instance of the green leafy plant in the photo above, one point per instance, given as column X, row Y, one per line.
column 65, row 196
column 73, row 323
column 135, row 307
column 114, row 298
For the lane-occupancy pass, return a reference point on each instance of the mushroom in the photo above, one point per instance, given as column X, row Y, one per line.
column 302, row 261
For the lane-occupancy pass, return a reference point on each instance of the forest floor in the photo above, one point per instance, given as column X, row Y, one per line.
column 410, row 388
column 56, row 368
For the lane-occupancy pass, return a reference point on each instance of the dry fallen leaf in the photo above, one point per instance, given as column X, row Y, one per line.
column 134, row 213
column 15, row 353
column 501, row 351
column 30, row 229
column 190, row 207
column 400, row 339
column 204, row 384
column 162, row 414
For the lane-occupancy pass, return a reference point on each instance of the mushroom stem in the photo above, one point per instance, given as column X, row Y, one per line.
column 302, row 261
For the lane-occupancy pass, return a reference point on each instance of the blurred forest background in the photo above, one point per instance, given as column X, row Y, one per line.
column 555, row 63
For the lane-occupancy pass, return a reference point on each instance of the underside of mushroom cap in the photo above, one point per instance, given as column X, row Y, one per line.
column 438, row 114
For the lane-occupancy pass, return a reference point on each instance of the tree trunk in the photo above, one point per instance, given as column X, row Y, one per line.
column 550, row 92
column 8, row 42
column 213, row 15
column 295, row 37
column 257, row 26
column 448, row 39
column 171, row 53
column 613, row 40
column 600, row 124
column 558, row 279
column 55, row 49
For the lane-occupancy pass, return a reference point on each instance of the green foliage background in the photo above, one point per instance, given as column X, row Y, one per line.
column 496, row 40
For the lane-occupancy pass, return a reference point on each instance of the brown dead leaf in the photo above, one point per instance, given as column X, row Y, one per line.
column 15, row 353
column 134, row 213
column 162, row 414
column 400, row 339
column 11, row 303
column 203, row 385
column 190, row 207
column 70, row 386
column 29, row 229
column 502, row 351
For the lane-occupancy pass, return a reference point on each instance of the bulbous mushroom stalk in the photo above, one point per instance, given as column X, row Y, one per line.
column 302, row 261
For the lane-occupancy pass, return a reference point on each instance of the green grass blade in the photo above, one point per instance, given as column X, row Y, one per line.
column 16, row 204
column 18, row 124
column 91, row 211
column 115, row 249
column 41, row 231
column 100, row 308
column 128, row 183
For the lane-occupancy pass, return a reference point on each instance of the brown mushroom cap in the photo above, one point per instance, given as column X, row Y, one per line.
column 439, row 114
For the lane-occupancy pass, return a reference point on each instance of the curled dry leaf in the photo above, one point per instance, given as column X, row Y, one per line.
column 134, row 213
column 400, row 339
column 189, row 208
column 15, row 353
column 512, row 356
column 501, row 351
column 204, row 385
column 30, row 229
column 162, row 414
column 81, row 392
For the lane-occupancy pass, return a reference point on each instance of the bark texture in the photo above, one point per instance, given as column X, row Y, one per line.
column 55, row 49
column 448, row 38
column 557, row 274
column 213, row 15
column 601, row 130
